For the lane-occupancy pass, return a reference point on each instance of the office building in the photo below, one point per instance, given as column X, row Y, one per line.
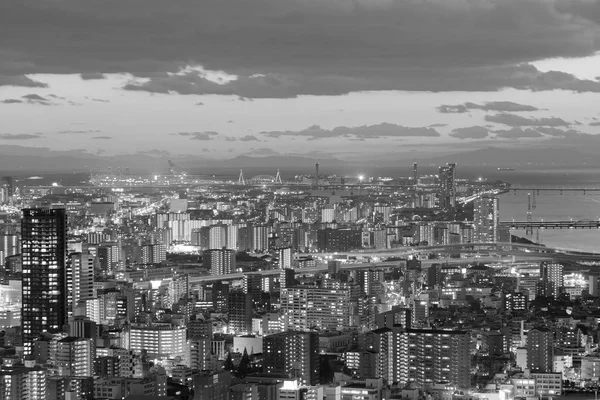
column 486, row 219
column 44, row 245
column 294, row 354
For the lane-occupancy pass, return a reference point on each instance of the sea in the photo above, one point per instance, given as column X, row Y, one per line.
column 513, row 206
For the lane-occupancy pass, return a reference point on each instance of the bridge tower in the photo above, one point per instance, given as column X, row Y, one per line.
column 241, row 179
column 278, row 178
column 529, row 227
column 533, row 202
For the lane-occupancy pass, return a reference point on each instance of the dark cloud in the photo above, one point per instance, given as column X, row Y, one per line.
column 197, row 135
column 457, row 109
column 517, row 120
column 550, row 131
column 594, row 124
column 17, row 80
column 87, row 76
column 249, row 138
column 365, row 132
column 12, row 101
column 80, row 132
column 525, row 77
column 517, row 133
column 102, row 137
column 304, row 47
column 101, row 100
column 20, row 136
column 501, row 106
column 34, row 97
column 471, row 132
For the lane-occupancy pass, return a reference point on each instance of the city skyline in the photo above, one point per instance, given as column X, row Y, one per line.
column 313, row 79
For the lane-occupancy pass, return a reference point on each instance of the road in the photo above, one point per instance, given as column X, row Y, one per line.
column 323, row 268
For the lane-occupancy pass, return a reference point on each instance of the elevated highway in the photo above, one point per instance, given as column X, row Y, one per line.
column 382, row 264
column 568, row 224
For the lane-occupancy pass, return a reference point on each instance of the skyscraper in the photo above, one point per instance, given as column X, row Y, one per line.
column 44, row 240
column 486, row 219
column 448, row 186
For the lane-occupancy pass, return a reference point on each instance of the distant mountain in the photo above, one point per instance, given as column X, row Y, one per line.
column 31, row 159
column 497, row 157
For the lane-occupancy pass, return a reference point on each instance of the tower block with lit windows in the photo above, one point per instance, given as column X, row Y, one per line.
column 44, row 252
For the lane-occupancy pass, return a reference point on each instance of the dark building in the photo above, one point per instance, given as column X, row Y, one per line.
column 44, row 251
column 8, row 185
column 294, row 354
column 240, row 311
column 220, row 297
column 332, row 240
column 514, row 302
column 540, row 345
column 447, row 186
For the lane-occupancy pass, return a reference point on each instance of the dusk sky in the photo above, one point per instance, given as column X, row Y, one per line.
column 311, row 77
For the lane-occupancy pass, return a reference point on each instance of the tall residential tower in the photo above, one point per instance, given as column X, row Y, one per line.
column 44, row 252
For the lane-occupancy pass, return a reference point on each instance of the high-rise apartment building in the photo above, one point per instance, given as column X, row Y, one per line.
column 240, row 311
column 540, row 345
column 429, row 356
column 486, row 219
column 308, row 308
column 295, row 354
column 44, row 246
column 447, row 176
column 80, row 280
column 73, row 356
column 219, row 261
column 217, row 237
column 285, row 257
column 160, row 341
column 552, row 279
column 331, row 240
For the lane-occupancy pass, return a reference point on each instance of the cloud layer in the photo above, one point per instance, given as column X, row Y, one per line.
column 384, row 130
column 504, row 106
column 287, row 48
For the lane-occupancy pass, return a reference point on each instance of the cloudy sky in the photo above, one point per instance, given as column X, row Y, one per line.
column 335, row 77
